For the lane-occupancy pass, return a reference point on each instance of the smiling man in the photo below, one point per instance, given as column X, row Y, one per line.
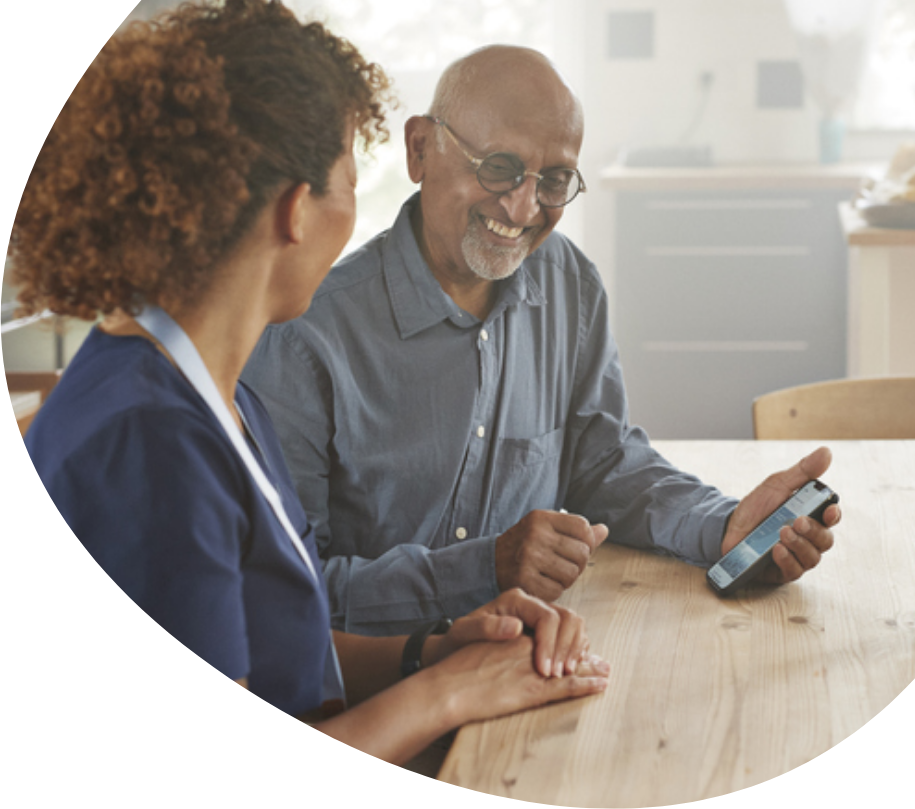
column 452, row 406
column 529, row 127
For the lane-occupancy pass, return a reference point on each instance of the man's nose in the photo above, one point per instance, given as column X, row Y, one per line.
column 521, row 203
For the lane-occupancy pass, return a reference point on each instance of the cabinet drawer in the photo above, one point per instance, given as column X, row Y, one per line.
column 759, row 223
column 720, row 297
column 734, row 298
column 708, row 394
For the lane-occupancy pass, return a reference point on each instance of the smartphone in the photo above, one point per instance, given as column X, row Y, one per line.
column 748, row 557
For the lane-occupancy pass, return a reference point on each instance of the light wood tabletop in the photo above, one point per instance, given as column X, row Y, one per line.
column 711, row 695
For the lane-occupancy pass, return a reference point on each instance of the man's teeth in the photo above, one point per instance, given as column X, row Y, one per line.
column 501, row 230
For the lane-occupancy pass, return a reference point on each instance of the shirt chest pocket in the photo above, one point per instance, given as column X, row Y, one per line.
column 528, row 475
column 524, row 452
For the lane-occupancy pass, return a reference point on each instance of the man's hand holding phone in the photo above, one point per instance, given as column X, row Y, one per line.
column 801, row 544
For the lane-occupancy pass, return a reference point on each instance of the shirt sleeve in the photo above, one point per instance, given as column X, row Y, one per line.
column 614, row 476
column 407, row 585
column 155, row 499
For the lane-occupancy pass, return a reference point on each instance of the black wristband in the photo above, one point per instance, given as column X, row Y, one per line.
column 411, row 662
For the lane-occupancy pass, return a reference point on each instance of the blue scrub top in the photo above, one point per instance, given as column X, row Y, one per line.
column 144, row 476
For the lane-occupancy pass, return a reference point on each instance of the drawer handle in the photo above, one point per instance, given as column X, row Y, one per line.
column 729, row 205
column 726, row 252
column 707, row 346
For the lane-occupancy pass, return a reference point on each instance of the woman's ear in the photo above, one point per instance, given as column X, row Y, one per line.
column 294, row 213
column 417, row 135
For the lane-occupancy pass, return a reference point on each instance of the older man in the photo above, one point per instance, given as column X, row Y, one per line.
column 452, row 405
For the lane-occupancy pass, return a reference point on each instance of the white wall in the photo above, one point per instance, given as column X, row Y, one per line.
column 651, row 102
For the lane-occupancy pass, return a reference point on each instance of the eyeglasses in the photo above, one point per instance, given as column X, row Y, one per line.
column 501, row 172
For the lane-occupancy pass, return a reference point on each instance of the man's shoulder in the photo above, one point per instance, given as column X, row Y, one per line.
column 350, row 293
column 353, row 282
column 361, row 265
column 560, row 255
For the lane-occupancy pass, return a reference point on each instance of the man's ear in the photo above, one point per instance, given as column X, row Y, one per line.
column 294, row 213
column 419, row 140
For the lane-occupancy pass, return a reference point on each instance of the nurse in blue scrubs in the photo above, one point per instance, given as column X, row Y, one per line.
column 197, row 186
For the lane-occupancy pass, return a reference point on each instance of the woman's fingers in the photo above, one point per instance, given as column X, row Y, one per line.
column 499, row 678
column 560, row 640
column 570, row 639
column 559, row 633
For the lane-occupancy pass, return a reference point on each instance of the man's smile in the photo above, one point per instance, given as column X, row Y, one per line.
column 502, row 230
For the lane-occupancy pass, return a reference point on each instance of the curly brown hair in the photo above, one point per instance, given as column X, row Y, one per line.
column 173, row 140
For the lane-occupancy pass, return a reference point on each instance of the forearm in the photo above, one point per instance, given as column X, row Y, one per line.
column 369, row 665
column 410, row 585
column 389, row 717
column 398, row 723
column 648, row 503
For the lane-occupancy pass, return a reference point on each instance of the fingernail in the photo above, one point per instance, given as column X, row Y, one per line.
column 803, row 524
column 572, row 665
column 547, row 667
column 557, row 668
column 599, row 664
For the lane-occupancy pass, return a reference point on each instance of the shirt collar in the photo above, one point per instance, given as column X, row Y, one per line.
column 418, row 300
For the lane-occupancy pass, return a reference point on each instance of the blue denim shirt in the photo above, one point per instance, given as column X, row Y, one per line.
column 416, row 433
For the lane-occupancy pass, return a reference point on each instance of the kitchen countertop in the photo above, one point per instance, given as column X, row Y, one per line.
column 859, row 234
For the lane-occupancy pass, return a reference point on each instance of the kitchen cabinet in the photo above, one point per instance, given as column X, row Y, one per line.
column 728, row 282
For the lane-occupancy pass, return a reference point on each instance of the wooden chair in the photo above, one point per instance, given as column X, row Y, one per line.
column 874, row 408
column 25, row 382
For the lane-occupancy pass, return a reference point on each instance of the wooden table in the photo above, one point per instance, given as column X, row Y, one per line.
column 708, row 696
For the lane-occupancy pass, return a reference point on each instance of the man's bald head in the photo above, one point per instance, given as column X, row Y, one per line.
column 505, row 80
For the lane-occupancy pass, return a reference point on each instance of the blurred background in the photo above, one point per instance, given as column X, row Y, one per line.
column 738, row 154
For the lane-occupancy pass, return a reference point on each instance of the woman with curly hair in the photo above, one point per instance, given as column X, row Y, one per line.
column 196, row 187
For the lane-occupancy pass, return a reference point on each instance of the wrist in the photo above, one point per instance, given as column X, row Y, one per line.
column 437, row 695
column 432, row 650
column 415, row 655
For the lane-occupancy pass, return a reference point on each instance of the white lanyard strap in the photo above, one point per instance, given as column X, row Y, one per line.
column 185, row 355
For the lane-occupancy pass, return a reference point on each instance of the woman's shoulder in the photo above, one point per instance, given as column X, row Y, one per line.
column 120, row 397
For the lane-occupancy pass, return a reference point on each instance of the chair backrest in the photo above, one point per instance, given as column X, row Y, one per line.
column 873, row 408
column 21, row 382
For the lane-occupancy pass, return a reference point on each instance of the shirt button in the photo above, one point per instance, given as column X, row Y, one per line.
column 481, row 431
column 484, row 335
column 461, row 533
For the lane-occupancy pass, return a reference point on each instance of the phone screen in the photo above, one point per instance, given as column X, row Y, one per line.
column 759, row 543
column 734, row 564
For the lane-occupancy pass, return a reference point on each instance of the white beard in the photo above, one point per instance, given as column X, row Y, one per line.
column 488, row 261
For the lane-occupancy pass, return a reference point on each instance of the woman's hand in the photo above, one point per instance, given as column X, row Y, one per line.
column 560, row 642
column 485, row 680
column 477, row 681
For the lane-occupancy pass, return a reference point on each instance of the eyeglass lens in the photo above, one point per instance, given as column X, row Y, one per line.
column 502, row 172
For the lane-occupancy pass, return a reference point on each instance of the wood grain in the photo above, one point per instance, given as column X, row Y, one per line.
column 707, row 695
